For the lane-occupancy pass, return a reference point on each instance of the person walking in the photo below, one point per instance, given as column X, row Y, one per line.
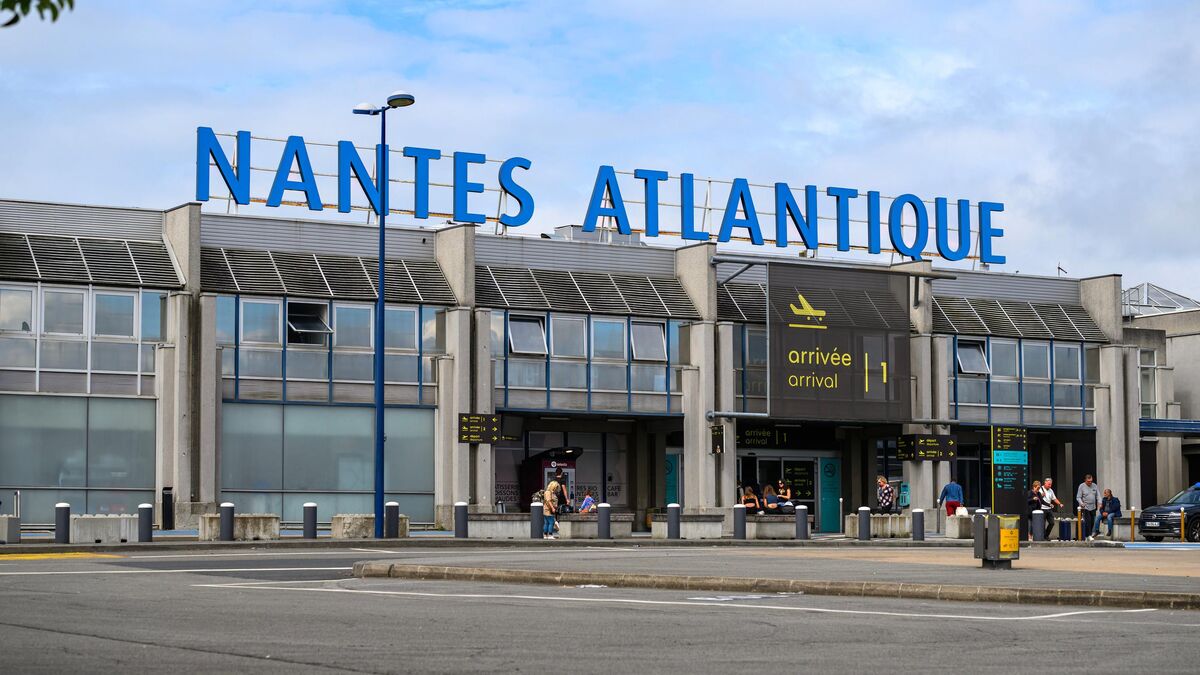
column 1033, row 502
column 951, row 496
column 885, row 494
column 1110, row 510
column 1049, row 502
column 549, row 508
column 1087, row 498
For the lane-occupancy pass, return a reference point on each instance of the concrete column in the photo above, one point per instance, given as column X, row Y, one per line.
column 726, row 397
column 1170, row 460
column 1132, row 414
column 1110, row 422
column 454, row 397
column 184, row 423
column 209, row 403
column 483, row 489
column 699, row 384
column 164, row 423
column 920, row 475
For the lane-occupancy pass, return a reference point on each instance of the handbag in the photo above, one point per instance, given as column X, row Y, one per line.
column 961, row 511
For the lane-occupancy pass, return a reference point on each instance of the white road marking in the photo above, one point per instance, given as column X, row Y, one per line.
column 372, row 550
column 678, row 603
column 237, row 555
column 192, row 571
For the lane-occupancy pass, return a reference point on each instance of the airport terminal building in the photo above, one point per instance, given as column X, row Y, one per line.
column 214, row 357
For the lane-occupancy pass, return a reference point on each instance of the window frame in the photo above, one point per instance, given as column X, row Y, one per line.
column 633, row 342
column 322, row 317
column 1078, row 364
column 74, row 290
column 527, row 319
column 136, row 315
column 33, row 310
column 557, row 318
column 983, row 356
column 338, row 307
column 417, row 328
column 1026, row 361
column 279, row 319
column 597, row 321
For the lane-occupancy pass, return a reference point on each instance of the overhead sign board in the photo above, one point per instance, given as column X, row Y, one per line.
column 718, row 438
column 838, row 344
column 479, row 428
column 926, row 447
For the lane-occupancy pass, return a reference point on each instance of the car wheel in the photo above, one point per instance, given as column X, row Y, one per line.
column 1193, row 531
column 1153, row 539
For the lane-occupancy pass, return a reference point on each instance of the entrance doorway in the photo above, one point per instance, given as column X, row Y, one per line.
column 797, row 473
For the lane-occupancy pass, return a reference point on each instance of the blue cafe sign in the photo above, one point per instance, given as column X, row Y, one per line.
column 740, row 217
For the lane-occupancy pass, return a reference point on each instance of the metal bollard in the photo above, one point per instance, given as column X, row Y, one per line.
column 842, row 515
column 864, row 523
column 460, row 520
column 310, row 520
column 536, row 520
column 227, row 521
column 1133, row 524
column 1182, row 525
column 145, row 522
column 168, row 509
column 391, row 520
column 739, row 521
column 604, row 521
column 16, row 503
column 802, row 522
column 672, row 521
column 1079, row 524
column 1038, row 524
column 62, row 523
column 918, row 525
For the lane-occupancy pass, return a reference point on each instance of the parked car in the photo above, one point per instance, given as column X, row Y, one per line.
column 1162, row 520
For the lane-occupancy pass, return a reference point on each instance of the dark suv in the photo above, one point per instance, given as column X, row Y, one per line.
column 1162, row 520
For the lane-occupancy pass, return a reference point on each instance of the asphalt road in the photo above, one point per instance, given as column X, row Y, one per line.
column 299, row 611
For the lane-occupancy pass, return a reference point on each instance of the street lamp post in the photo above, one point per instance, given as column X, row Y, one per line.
column 398, row 99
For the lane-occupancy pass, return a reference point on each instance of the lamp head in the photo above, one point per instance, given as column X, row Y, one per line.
column 365, row 109
column 400, row 99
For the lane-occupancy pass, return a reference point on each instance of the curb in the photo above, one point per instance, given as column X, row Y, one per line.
column 873, row 589
column 435, row 541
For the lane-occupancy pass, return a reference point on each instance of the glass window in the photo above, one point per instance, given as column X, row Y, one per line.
column 307, row 364
column 756, row 347
column 1035, row 361
column 1036, row 394
column 971, row 359
column 354, row 366
column 972, row 390
column 1004, row 392
column 352, row 326
column 154, row 316
column 259, row 363
column 17, row 352
column 608, row 377
column 1004, row 359
column 328, row 448
column 400, row 326
column 649, row 342
column 400, row 368
column 648, row 378
column 568, row 375
column 114, row 314
column 260, row 322
column 251, row 447
column 119, row 357
column 431, row 340
column 497, row 334
column 226, row 319
column 63, row 312
column 673, row 341
column 1066, row 363
column 1147, row 384
column 1066, row 396
column 408, row 450
column 148, row 359
column 1146, row 357
column 608, row 339
column 569, row 336
column 1091, row 356
column 45, row 441
column 63, row 355
column 526, row 373
column 120, row 452
column 16, row 309
column 526, row 335
column 306, row 324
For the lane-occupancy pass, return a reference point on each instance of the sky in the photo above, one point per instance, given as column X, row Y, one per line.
column 1079, row 117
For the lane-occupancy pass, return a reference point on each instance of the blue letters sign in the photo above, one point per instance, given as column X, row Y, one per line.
column 740, row 216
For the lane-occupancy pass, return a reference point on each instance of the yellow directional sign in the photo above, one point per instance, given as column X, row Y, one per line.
column 479, row 428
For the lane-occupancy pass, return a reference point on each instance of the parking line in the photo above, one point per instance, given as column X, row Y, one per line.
column 679, row 603
column 189, row 571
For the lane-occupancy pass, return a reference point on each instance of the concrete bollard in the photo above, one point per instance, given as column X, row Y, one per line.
column 1037, row 523
column 672, row 521
column 310, row 520
column 604, row 521
column 536, row 520
column 145, row 522
column 979, row 533
column 391, row 520
column 226, row 521
column 739, row 521
column 460, row 520
column 864, row 523
column 802, row 522
column 918, row 524
column 62, row 523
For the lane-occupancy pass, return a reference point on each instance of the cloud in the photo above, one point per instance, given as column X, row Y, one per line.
column 1079, row 117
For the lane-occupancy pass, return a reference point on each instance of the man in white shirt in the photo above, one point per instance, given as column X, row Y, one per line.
column 1049, row 503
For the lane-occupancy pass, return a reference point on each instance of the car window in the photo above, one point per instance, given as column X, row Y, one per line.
column 1186, row 497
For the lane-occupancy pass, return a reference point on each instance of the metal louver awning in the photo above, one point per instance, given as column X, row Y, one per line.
column 256, row 272
column 582, row 292
column 86, row 260
column 1014, row 319
column 747, row 302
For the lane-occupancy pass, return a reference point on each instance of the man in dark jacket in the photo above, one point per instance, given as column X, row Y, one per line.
column 1110, row 510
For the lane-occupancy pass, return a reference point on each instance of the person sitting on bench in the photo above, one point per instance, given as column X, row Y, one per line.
column 771, row 500
column 751, row 501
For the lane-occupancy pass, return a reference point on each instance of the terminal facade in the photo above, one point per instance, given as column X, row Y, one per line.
column 213, row 357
